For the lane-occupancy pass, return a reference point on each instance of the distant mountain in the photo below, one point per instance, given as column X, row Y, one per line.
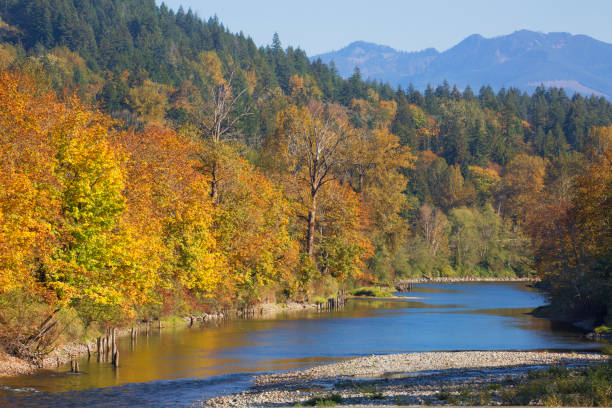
column 524, row 59
column 379, row 61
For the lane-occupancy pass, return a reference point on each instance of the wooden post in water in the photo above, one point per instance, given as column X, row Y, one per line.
column 115, row 360
column 113, row 344
column 74, row 365
column 115, row 353
column 98, row 348
column 107, row 344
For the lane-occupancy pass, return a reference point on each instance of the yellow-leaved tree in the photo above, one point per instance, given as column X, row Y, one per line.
column 251, row 227
column 170, row 210
column 93, row 267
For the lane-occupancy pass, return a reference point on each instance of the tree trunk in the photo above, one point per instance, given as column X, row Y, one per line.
column 311, row 226
column 214, row 189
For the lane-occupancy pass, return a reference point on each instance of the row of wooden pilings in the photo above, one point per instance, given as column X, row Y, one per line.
column 334, row 303
column 108, row 344
column 229, row 314
column 404, row 286
column 106, row 347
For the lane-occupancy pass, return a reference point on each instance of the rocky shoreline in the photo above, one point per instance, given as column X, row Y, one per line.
column 13, row 366
column 397, row 379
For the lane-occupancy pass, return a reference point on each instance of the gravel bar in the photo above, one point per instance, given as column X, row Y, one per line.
column 397, row 379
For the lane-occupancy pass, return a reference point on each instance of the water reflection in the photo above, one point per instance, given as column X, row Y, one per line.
column 448, row 317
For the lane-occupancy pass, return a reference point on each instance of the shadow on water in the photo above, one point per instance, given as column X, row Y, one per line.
column 180, row 366
column 161, row 393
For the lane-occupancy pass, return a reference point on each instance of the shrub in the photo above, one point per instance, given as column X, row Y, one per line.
column 324, row 401
column 31, row 329
column 371, row 292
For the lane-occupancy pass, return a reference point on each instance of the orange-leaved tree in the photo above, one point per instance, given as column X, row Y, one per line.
column 252, row 230
column 29, row 206
column 573, row 242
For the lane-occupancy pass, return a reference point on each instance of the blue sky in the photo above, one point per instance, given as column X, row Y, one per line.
column 319, row 26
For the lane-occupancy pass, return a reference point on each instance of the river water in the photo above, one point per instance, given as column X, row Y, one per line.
column 180, row 367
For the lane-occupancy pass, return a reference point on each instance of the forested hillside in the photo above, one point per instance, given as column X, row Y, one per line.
column 152, row 163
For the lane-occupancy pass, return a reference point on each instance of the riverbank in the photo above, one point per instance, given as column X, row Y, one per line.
column 63, row 354
column 398, row 379
column 13, row 366
column 474, row 279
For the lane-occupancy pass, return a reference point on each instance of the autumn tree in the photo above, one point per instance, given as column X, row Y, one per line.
column 77, row 251
column 454, row 191
column 573, row 244
column 92, row 266
column 316, row 138
column 216, row 122
column 486, row 182
column 522, row 186
column 251, row 227
column 433, row 224
column 168, row 206
column 149, row 101
column 28, row 203
column 344, row 245
column 377, row 168
column 599, row 140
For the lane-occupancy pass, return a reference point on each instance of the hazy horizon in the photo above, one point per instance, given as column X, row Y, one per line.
column 405, row 26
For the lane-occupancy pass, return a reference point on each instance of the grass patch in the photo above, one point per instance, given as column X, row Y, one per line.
column 372, row 291
column 443, row 395
column 173, row 321
column 559, row 386
column 556, row 386
column 324, row 401
column 603, row 329
column 370, row 391
column 466, row 396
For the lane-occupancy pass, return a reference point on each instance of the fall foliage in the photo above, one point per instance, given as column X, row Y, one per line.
column 163, row 165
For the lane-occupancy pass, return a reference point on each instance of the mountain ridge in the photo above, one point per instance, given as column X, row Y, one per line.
column 523, row 59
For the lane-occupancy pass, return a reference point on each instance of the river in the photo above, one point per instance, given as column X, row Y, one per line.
column 178, row 367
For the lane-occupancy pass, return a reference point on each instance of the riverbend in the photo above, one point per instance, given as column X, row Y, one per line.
column 182, row 366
